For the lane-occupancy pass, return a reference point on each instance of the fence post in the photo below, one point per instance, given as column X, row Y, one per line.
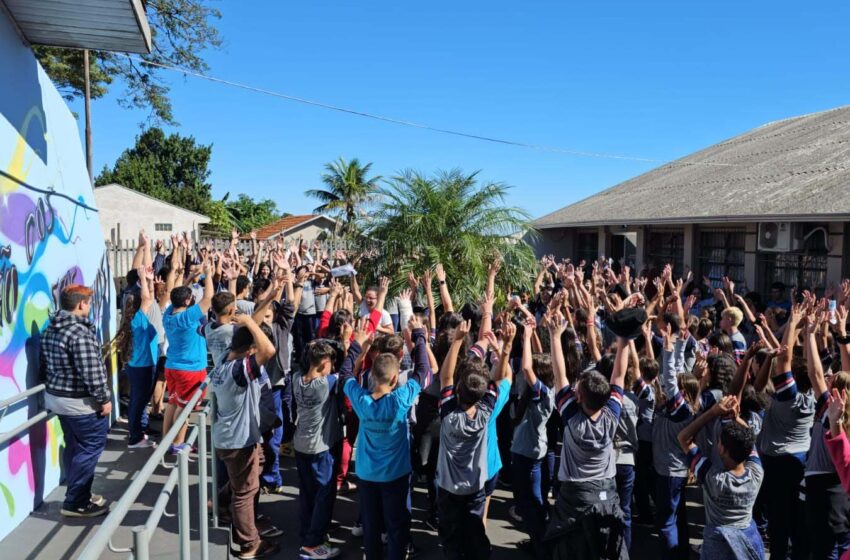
column 183, row 513
column 202, row 485
column 213, row 465
column 141, row 541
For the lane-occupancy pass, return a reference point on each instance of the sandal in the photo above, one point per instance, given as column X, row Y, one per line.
column 266, row 548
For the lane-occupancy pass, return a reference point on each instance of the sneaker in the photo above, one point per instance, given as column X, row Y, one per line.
column 514, row 514
column 385, row 538
column 276, row 490
column 347, row 487
column 412, row 552
column 97, row 500
column 88, row 510
column 432, row 522
column 175, row 449
column 320, row 552
column 265, row 549
column 270, row 532
column 143, row 443
column 357, row 530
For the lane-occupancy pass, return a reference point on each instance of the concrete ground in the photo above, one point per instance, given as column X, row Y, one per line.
column 46, row 535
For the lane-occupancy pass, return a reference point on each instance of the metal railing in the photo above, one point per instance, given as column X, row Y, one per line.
column 179, row 477
column 6, row 404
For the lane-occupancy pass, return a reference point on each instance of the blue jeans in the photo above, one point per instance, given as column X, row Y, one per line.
column 271, row 468
column 141, row 388
column 85, row 440
column 729, row 543
column 384, row 506
column 625, row 487
column 670, row 513
column 316, row 496
column 529, row 499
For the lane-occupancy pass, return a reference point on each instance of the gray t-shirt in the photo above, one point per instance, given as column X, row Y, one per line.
column 819, row 460
column 646, row 409
column 588, row 451
column 788, row 421
column 626, row 438
column 530, row 434
column 245, row 307
column 728, row 498
column 317, row 428
column 462, row 458
column 236, row 385
column 667, row 455
column 70, row 406
column 218, row 337
column 308, row 300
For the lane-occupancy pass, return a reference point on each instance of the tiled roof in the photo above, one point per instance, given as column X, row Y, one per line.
column 792, row 169
column 284, row 224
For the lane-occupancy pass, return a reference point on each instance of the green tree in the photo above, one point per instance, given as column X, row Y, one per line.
column 181, row 31
column 349, row 189
column 249, row 214
column 452, row 219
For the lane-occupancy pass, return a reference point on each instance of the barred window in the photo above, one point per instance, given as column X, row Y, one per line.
column 665, row 247
column 162, row 227
column 793, row 269
column 587, row 247
column 721, row 253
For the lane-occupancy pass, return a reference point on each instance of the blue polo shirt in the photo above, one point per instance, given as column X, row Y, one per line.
column 494, row 458
column 187, row 347
column 145, row 341
column 383, row 443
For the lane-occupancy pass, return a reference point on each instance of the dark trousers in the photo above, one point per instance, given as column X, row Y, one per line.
column 141, row 389
column 670, row 513
column 85, row 440
column 625, row 487
column 827, row 514
column 303, row 331
column 316, row 496
column 271, row 469
column 385, row 506
column 529, row 499
column 241, row 491
column 644, row 480
column 505, row 436
column 461, row 526
column 782, row 476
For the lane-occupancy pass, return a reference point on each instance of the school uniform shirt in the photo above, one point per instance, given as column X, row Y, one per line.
column 308, row 299
column 667, row 456
column 187, row 348
column 462, row 458
column 819, row 460
column 646, row 409
column 588, row 450
column 145, row 341
column 245, row 307
column 494, row 458
column 236, row 385
column 530, row 434
column 739, row 345
column 626, row 438
column 788, row 420
column 318, row 428
column 219, row 337
column 728, row 498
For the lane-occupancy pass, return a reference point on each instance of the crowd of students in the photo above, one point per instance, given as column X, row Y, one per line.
column 596, row 399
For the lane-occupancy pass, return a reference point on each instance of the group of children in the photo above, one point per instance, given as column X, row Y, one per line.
column 593, row 394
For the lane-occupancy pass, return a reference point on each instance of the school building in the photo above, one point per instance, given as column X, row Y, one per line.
column 772, row 204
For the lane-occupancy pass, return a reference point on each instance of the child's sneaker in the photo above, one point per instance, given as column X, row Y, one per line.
column 357, row 530
column 97, row 500
column 88, row 510
column 143, row 443
column 321, row 552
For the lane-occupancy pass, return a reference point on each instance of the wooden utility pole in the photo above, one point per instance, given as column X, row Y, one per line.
column 88, row 113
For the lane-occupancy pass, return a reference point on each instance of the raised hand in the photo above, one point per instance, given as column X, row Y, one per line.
column 384, row 285
column 440, row 272
column 727, row 406
column 508, row 333
column 556, row 324
column 414, row 323
column 836, row 406
column 462, row 330
column 361, row 333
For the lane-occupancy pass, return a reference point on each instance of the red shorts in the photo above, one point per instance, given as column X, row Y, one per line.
column 182, row 384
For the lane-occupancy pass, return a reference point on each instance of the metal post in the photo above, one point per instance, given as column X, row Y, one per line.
column 214, row 465
column 87, row 78
column 183, row 509
column 202, row 485
column 141, row 542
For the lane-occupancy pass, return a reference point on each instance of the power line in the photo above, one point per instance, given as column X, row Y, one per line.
column 421, row 126
column 49, row 192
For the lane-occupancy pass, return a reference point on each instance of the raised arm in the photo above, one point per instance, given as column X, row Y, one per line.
column 429, row 295
column 841, row 339
column 265, row 347
column 621, row 363
column 209, row 291
column 527, row 361
column 421, row 363
column 686, row 437
column 142, row 247
column 445, row 296
column 813, row 363
column 783, row 359
column 447, row 369
column 736, row 386
column 145, row 277
column 503, row 366
column 557, row 325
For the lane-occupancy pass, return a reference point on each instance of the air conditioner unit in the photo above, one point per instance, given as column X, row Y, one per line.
column 777, row 237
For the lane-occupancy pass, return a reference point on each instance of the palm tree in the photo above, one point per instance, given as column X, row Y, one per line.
column 452, row 219
column 348, row 188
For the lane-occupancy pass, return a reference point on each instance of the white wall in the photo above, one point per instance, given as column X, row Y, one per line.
column 135, row 212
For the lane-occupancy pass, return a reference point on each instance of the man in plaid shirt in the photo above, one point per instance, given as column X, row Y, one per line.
column 78, row 392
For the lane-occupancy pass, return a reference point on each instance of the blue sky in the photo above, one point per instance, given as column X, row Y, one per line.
column 648, row 79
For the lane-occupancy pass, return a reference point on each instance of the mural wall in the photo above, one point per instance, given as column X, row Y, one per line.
column 50, row 236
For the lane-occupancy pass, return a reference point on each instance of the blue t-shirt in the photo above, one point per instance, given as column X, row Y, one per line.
column 494, row 458
column 187, row 347
column 383, row 443
column 145, row 341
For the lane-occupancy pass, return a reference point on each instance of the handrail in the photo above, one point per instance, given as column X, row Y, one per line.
column 5, row 404
column 100, row 540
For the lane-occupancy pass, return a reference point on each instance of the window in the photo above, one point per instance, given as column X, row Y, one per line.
column 721, row 253
column 587, row 247
column 793, row 269
column 162, row 227
column 665, row 247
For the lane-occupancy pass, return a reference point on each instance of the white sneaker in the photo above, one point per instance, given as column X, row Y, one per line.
column 321, row 552
column 357, row 530
column 143, row 443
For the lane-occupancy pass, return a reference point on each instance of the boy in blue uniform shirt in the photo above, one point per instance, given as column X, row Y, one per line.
column 383, row 446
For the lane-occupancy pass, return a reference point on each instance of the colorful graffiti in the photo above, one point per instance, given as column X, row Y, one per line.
column 50, row 237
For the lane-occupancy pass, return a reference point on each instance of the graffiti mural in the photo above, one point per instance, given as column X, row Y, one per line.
column 50, row 237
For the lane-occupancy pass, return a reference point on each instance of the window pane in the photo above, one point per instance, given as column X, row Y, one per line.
column 665, row 247
column 721, row 253
column 792, row 269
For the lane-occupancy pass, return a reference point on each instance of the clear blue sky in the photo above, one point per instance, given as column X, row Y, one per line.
column 648, row 79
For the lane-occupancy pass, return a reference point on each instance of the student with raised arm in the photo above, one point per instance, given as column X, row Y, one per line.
column 730, row 485
column 836, row 440
column 383, row 451
column 236, row 431
column 587, row 522
column 785, row 439
column 644, row 388
column 466, row 404
column 827, row 505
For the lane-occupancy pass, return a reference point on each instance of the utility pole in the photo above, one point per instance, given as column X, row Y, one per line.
column 88, row 113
